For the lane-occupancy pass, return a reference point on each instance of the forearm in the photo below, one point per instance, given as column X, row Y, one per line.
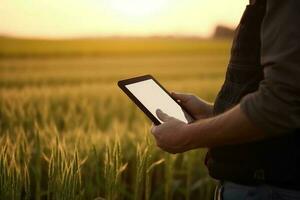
column 231, row 127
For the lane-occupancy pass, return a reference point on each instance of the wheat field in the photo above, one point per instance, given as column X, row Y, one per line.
column 68, row 132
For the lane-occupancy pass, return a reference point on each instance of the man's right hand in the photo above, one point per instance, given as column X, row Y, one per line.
column 199, row 108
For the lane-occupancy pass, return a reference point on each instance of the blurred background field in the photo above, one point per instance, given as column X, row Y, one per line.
column 114, row 46
column 61, row 109
column 67, row 132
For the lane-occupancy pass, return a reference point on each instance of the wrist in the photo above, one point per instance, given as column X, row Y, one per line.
column 202, row 133
column 192, row 134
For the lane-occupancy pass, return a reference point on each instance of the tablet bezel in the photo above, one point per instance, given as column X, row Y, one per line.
column 122, row 84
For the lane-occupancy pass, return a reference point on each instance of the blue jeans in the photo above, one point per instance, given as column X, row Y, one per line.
column 233, row 191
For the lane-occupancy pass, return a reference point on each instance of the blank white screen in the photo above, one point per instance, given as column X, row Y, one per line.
column 154, row 97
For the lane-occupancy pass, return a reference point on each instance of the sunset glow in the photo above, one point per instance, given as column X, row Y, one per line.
column 137, row 8
column 84, row 18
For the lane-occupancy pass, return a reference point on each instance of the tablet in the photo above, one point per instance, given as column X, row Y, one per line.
column 149, row 96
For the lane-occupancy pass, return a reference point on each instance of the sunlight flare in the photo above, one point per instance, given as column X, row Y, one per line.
column 137, row 8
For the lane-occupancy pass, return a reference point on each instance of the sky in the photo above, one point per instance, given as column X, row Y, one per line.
column 93, row 18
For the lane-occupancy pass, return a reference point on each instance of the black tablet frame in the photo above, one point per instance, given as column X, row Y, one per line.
column 123, row 83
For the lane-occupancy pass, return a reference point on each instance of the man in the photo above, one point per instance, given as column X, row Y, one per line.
column 253, row 129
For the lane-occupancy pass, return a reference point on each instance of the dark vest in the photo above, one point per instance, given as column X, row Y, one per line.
column 274, row 161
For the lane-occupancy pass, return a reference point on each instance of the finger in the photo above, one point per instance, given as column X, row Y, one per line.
column 152, row 125
column 180, row 96
column 162, row 116
column 172, row 150
column 156, row 131
column 166, row 149
column 152, row 128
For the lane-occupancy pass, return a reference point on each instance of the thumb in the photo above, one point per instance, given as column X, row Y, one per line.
column 180, row 96
column 162, row 116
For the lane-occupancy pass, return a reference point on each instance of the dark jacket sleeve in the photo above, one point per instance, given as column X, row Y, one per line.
column 275, row 107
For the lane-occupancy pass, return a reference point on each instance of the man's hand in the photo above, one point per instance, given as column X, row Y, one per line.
column 171, row 136
column 231, row 127
column 199, row 108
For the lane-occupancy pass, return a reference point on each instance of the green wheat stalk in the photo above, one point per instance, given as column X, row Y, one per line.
column 64, row 174
column 113, row 168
